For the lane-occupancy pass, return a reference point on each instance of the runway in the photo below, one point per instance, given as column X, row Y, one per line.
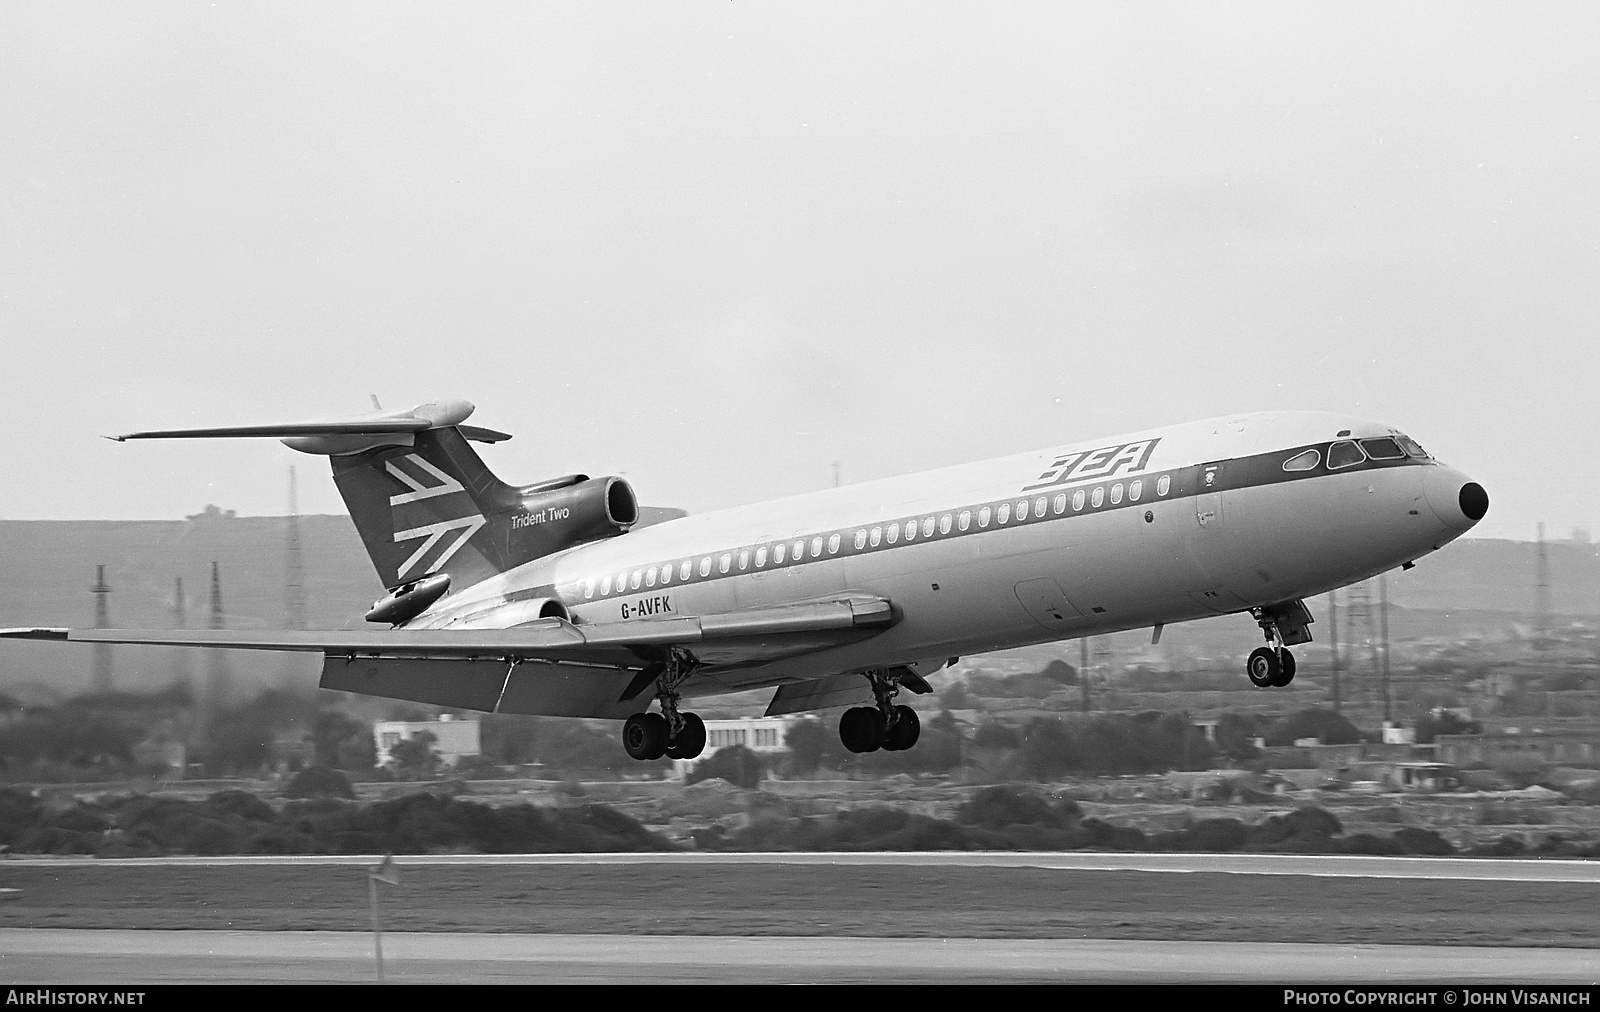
column 125, row 958
column 1457, row 869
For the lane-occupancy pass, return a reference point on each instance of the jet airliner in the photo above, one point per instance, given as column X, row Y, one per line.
column 566, row 597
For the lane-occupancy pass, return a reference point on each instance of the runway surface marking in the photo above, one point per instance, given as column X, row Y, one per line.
column 1459, row 869
column 58, row 955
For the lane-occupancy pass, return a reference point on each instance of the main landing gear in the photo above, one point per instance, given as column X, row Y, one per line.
column 1272, row 666
column 671, row 732
column 885, row 725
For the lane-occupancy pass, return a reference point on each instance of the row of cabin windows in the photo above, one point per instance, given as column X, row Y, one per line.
column 895, row 532
column 1349, row 452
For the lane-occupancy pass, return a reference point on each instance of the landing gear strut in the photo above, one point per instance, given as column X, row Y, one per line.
column 671, row 732
column 1282, row 624
column 886, row 726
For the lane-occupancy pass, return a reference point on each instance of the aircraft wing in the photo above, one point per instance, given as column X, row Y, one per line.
column 550, row 666
column 549, row 638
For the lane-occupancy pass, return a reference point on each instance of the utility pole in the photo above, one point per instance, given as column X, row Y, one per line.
column 1383, row 624
column 217, row 674
column 294, row 574
column 1083, row 671
column 101, row 673
column 1333, row 646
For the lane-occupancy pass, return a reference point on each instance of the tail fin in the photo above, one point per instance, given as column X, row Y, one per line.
column 424, row 502
column 422, row 509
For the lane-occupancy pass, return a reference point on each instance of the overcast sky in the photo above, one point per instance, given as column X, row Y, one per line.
column 717, row 247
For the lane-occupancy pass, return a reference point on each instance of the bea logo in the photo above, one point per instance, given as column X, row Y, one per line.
column 1092, row 465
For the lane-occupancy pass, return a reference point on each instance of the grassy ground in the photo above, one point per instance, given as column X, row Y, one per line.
column 779, row 900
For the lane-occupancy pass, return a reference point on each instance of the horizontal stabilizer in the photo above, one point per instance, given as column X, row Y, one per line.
column 339, row 436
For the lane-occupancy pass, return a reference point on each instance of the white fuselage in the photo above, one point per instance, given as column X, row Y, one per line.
column 1153, row 527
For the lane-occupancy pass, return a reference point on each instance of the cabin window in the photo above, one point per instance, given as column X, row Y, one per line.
column 622, row 582
column 983, row 517
column 816, row 546
column 944, row 524
column 1098, row 497
column 588, row 589
column 650, row 577
column 1163, row 483
column 1022, row 509
column 683, row 570
column 744, row 559
column 1077, row 500
column 1135, row 491
column 1061, row 504
column 1383, row 448
column 1344, row 454
column 1116, row 493
column 927, row 527
column 705, row 566
column 799, row 551
column 778, row 552
column 1303, row 461
column 761, row 558
column 876, row 537
column 861, row 540
column 833, row 544
column 894, row 533
column 726, row 562
column 965, row 520
column 666, row 573
column 911, row 530
column 638, row 575
column 605, row 586
column 1002, row 513
column 1411, row 446
column 1039, row 506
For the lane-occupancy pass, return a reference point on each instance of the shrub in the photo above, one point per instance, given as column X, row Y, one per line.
column 1422, row 841
column 319, row 782
column 998, row 807
column 736, row 764
column 1218, row 835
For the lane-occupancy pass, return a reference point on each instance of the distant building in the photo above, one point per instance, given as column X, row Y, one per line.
column 763, row 735
column 1569, row 748
column 1423, row 777
column 454, row 738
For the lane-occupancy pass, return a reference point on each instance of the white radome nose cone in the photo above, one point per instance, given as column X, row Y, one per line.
column 1457, row 500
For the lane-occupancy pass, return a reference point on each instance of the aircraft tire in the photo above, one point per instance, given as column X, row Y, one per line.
column 907, row 729
column 861, row 729
column 1286, row 675
column 1263, row 667
column 691, row 740
column 644, row 736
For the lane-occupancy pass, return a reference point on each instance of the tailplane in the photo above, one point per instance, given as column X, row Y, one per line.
column 425, row 503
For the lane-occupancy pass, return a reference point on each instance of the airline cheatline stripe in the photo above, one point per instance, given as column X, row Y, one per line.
column 1045, row 500
column 446, row 485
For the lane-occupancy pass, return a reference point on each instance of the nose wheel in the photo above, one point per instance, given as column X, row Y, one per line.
column 1270, row 667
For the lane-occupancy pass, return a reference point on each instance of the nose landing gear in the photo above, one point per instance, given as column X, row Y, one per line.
column 1272, row 666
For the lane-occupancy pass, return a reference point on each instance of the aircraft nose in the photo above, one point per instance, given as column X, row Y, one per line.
column 1458, row 501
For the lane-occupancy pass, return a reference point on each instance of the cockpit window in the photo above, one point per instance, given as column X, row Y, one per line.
column 1345, row 454
column 1302, row 461
column 1383, row 448
column 1411, row 447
